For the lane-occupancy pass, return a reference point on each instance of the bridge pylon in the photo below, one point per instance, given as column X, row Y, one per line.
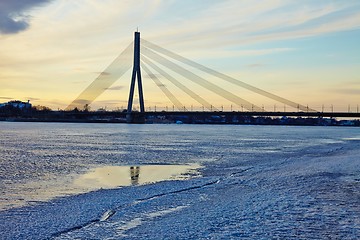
column 138, row 117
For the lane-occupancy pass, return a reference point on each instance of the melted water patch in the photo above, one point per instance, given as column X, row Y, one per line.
column 118, row 176
column 107, row 177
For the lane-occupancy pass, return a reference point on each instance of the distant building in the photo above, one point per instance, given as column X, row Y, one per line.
column 17, row 104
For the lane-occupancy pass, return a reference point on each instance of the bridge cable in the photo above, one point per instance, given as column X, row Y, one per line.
column 200, row 81
column 224, row 77
column 106, row 78
column 182, row 87
column 163, row 88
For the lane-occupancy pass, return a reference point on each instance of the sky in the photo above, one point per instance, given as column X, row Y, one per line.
column 306, row 51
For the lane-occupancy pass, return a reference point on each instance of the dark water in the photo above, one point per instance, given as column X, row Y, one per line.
column 276, row 181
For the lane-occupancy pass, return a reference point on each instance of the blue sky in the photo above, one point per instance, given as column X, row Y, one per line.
column 306, row 51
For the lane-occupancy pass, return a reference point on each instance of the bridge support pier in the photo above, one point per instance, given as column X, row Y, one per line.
column 135, row 117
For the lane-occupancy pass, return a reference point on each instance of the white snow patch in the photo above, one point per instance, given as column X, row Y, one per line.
column 107, row 215
column 352, row 138
column 146, row 217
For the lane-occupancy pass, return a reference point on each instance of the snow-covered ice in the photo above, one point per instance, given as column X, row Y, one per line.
column 246, row 182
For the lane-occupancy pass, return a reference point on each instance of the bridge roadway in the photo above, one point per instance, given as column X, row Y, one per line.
column 81, row 114
column 254, row 114
column 99, row 114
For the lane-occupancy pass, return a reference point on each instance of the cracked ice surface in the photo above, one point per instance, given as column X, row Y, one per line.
column 257, row 182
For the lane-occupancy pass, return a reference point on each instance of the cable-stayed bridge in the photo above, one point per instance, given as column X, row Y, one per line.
column 161, row 65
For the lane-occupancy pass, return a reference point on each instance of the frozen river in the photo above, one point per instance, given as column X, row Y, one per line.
column 111, row 181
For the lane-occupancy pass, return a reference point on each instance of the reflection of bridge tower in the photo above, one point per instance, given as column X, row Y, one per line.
column 134, row 175
column 136, row 73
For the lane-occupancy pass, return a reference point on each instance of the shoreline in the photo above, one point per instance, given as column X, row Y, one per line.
column 254, row 121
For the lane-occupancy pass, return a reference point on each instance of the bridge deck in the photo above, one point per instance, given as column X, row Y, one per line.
column 256, row 114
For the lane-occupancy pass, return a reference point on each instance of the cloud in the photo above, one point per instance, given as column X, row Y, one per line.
column 33, row 98
column 226, row 53
column 258, row 52
column 234, row 23
column 6, row 98
column 255, row 65
column 354, row 83
column 348, row 91
column 13, row 14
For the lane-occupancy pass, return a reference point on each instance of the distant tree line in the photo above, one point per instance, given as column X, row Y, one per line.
column 13, row 110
